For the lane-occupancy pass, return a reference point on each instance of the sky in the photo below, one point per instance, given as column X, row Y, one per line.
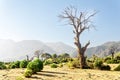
column 38, row 20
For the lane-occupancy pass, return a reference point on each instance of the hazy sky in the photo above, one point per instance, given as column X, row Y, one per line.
column 38, row 20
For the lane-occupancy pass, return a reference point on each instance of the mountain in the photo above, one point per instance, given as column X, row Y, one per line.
column 104, row 49
column 60, row 47
column 11, row 50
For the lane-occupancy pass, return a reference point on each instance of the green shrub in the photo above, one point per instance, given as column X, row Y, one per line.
column 39, row 64
column 9, row 65
column 118, row 61
column 73, row 64
column 89, row 60
column 90, row 65
column 105, row 67
column 23, row 64
column 12, row 66
column 53, row 65
column 60, row 65
column 28, row 73
column 107, row 59
column 17, row 64
column 112, row 61
column 32, row 66
column 48, row 61
column 2, row 65
column 36, row 65
column 69, row 59
column 117, row 68
column 117, row 57
column 64, row 60
column 98, row 64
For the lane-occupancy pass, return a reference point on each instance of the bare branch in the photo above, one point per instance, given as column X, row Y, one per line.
column 87, row 44
column 88, row 18
column 85, row 47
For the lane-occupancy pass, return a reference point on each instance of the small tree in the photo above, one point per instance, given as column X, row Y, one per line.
column 54, row 56
column 65, row 55
column 80, row 21
column 112, row 52
column 37, row 53
column 27, row 57
column 46, row 55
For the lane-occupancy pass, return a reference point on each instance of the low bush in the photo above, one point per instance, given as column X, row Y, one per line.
column 117, row 68
column 28, row 73
column 12, row 65
column 23, row 64
column 32, row 66
column 98, row 64
column 39, row 64
column 105, row 67
column 107, row 59
column 2, row 65
column 112, row 61
column 73, row 64
column 17, row 64
column 64, row 60
column 90, row 65
column 53, row 65
column 60, row 65
column 36, row 65
column 117, row 57
column 48, row 61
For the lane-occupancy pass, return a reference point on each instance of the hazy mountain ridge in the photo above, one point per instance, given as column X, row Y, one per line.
column 104, row 49
column 10, row 50
column 60, row 47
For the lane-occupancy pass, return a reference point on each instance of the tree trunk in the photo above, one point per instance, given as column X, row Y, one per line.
column 113, row 55
column 27, row 57
column 81, row 58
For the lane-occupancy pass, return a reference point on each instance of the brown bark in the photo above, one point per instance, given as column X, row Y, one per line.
column 81, row 57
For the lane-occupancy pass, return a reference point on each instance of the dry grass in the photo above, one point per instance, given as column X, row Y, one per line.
column 61, row 74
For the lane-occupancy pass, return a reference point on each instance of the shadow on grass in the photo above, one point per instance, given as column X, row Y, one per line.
column 53, row 72
column 35, row 77
column 49, row 75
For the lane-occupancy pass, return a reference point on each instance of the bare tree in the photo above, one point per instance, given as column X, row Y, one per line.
column 80, row 21
column 112, row 51
column 46, row 56
column 27, row 57
column 37, row 53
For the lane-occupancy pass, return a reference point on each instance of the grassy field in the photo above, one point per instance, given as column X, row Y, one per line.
column 63, row 73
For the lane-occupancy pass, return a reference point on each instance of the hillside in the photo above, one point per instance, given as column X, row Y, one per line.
column 11, row 50
column 61, row 47
column 104, row 49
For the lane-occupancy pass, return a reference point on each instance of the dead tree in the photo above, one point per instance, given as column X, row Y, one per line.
column 80, row 21
column 112, row 52
column 37, row 53
column 27, row 57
